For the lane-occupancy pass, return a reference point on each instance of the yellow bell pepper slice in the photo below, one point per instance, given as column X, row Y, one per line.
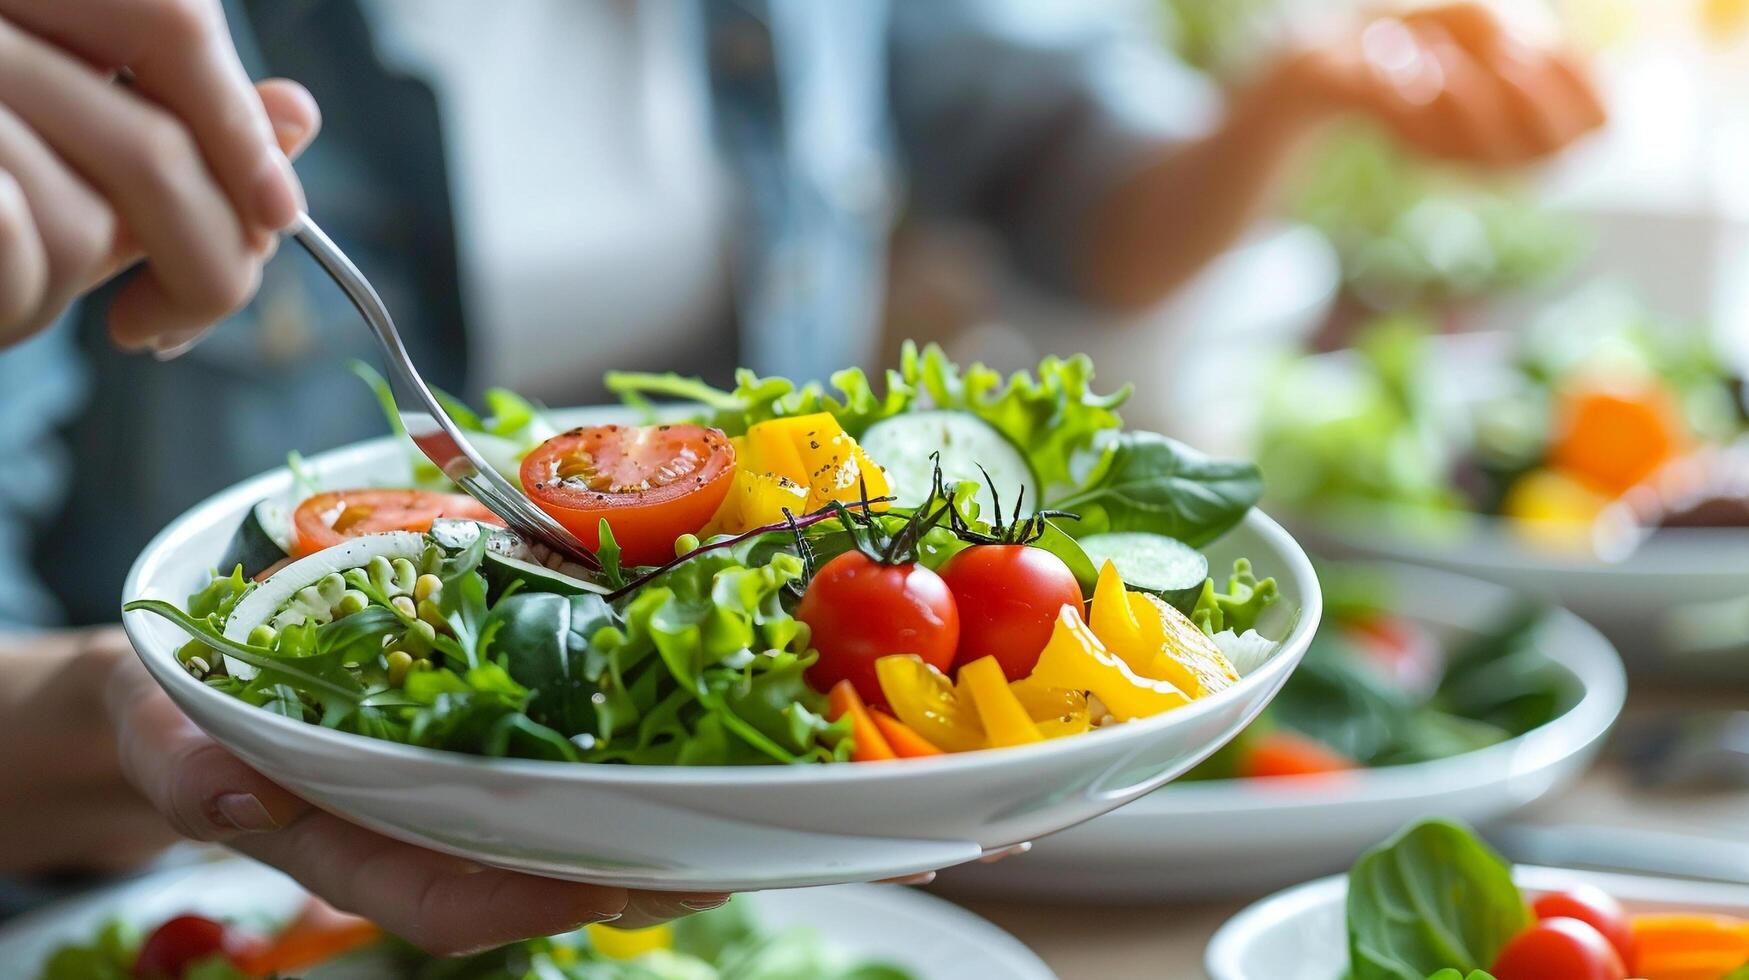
column 1055, row 711
column 1075, row 659
column 1004, row 718
column 629, row 944
column 815, row 452
column 925, row 701
column 1155, row 640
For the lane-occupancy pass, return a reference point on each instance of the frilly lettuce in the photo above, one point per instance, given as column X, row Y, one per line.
column 1054, row 417
column 1238, row 608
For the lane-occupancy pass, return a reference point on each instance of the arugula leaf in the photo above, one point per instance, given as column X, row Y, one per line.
column 1239, row 607
column 607, row 552
column 1431, row 898
column 321, row 677
column 1152, row 483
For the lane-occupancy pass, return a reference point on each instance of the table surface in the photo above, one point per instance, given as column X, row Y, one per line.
column 1167, row 940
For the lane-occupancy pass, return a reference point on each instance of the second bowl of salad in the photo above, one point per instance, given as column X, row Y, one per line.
column 825, row 635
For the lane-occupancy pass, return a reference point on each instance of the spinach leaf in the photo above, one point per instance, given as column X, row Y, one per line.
column 545, row 638
column 1431, row 898
column 1503, row 677
column 1152, row 483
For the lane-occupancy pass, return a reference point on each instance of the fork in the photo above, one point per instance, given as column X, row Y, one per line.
column 431, row 429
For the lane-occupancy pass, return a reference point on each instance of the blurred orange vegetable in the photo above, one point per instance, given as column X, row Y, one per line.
column 1689, row 947
column 319, row 934
column 1614, row 436
column 1284, row 753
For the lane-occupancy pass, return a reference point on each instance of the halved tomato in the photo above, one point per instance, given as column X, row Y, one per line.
column 652, row 483
column 329, row 518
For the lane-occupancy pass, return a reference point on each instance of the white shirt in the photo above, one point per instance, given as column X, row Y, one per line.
column 589, row 205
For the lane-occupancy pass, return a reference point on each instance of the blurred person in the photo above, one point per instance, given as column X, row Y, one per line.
column 541, row 190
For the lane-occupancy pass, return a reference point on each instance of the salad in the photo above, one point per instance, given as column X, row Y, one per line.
column 1602, row 424
column 777, row 574
column 323, row 944
column 1379, row 689
column 1435, row 903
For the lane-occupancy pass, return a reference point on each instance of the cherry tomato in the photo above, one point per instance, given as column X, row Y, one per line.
column 1559, row 949
column 327, row 519
column 1284, row 753
column 1008, row 597
column 1596, row 908
column 653, row 483
column 860, row 610
column 1407, row 652
column 179, row 944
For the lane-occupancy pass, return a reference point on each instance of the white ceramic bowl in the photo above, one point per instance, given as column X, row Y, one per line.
column 1300, row 934
column 931, row 938
column 1253, row 835
column 696, row 828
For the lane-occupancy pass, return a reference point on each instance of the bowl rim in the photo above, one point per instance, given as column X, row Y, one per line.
column 1593, row 661
column 1223, row 956
column 159, row 554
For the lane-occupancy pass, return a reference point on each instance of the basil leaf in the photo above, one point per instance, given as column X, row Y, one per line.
column 1152, row 483
column 1431, row 898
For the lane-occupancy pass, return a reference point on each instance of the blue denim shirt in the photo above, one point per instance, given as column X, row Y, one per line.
column 831, row 116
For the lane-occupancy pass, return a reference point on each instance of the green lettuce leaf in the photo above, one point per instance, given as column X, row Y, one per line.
column 1238, row 608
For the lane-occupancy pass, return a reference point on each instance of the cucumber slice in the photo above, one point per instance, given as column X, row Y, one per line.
column 1155, row 563
column 509, row 557
column 903, row 444
column 271, row 596
column 263, row 540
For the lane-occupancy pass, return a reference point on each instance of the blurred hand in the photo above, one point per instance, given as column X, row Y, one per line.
column 68, row 807
column 129, row 131
column 1452, row 82
column 445, row 905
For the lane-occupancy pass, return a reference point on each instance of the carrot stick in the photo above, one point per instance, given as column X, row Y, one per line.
column 867, row 743
column 907, row 744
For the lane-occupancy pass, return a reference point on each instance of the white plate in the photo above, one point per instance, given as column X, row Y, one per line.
column 1678, row 605
column 1300, row 934
column 934, row 939
column 697, row 828
column 1234, row 837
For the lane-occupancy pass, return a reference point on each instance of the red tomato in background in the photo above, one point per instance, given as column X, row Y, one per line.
column 1596, row 908
column 1559, row 949
column 859, row 610
column 183, row 942
column 1407, row 652
column 652, row 483
column 327, row 519
column 1285, row 753
column 1008, row 597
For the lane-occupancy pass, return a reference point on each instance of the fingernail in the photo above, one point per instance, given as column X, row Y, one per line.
column 277, row 195
column 171, row 346
column 244, row 811
column 704, row 904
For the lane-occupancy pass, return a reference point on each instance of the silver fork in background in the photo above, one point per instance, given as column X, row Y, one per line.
column 431, row 428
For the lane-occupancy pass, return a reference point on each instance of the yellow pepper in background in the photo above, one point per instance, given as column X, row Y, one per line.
column 1552, row 509
column 1155, row 640
column 1005, row 720
column 926, row 702
column 1055, row 711
column 629, row 944
column 1075, row 659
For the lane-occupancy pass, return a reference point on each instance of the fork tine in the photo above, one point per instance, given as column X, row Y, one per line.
column 431, row 428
